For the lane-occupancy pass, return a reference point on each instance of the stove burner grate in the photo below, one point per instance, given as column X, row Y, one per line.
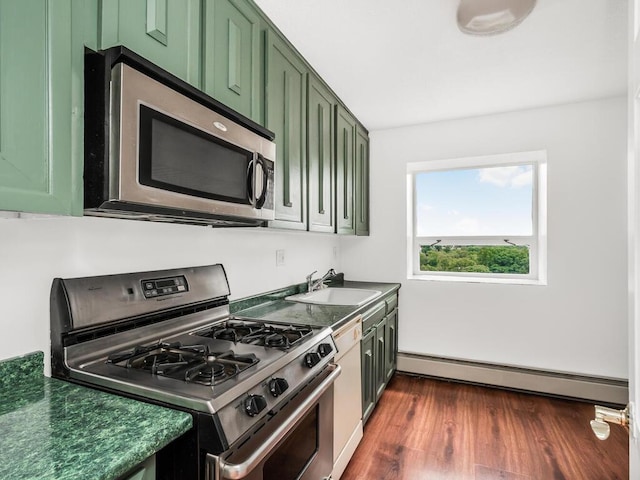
column 191, row 363
column 218, row 367
column 256, row 333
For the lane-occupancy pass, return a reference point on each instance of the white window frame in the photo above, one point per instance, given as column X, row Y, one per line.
column 537, row 242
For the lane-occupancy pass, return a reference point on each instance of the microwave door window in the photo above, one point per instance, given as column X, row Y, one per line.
column 177, row 157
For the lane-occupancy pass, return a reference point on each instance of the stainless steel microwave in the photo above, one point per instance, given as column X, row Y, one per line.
column 163, row 151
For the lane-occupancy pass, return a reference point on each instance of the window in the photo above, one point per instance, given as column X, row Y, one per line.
column 478, row 219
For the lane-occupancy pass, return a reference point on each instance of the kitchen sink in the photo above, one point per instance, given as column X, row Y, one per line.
column 336, row 296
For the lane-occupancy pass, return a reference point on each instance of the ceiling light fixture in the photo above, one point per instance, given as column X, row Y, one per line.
column 489, row 17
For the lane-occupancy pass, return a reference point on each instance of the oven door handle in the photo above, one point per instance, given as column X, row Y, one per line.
column 232, row 471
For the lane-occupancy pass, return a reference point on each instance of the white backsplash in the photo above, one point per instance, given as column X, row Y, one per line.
column 35, row 250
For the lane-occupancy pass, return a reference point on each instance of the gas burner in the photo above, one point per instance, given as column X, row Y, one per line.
column 282, row 337
column 206, row 374
column 276, row 340
column 138, row 350
column 191, row 363
column 277, row 336
column 161, row 362
column 158, row 358
column 293, row 335
column 227, row 334
column 232, row 331
column 214, row 368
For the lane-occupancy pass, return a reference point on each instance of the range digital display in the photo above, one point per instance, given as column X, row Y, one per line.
column 164, row 286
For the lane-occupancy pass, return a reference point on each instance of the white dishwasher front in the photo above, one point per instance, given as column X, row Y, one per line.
column 347, row 396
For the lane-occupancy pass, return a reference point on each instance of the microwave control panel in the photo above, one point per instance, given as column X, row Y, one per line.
column 269, row 196
column 164, row 286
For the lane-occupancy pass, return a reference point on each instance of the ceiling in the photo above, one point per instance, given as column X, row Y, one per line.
column 406, row 62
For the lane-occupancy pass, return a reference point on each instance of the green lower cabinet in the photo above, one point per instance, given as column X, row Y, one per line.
column 320, row 124
column 41, row 105
column 166, row 32
column 362, row 182
column 286, row 100
column 379, row 351
column 232, row 55
column 345, row 164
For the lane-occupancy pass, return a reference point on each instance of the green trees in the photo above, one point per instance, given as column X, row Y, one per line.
column 475, row 258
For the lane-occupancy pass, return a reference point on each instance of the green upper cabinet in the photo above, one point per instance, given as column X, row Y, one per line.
column 345, row 152
column 41, row 105
column 320, row 118
column 166, row 32
column 232, row 55
column 225, row 47
column 286, row 80
column 362, row 182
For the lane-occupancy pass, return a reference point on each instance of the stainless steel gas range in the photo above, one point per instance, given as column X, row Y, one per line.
column 261, row 394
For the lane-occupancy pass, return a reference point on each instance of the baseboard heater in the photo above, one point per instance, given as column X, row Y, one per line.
column 610, row 391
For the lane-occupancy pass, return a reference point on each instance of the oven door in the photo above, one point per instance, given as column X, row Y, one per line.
column 294, row 444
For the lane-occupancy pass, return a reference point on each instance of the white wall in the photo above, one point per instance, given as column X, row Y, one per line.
column 33, row 251
column 577, row 323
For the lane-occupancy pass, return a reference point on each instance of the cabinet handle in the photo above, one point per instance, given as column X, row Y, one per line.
column 368, row 368
column 362, row 183
column 286, row 160
column 381, row 356
column 346, row 172
column 321, row 160
column 392, row 344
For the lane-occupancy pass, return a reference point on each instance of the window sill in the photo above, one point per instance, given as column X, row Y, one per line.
column 470, row 279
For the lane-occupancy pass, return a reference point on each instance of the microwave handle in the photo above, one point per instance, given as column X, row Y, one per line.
column 259, row 202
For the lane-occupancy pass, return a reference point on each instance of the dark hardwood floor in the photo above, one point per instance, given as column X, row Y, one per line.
column 427, row 429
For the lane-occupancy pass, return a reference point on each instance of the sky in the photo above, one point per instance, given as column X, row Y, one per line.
column 481, row 201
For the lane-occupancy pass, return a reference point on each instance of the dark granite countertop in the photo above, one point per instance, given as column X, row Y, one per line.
column 274, row 308
column 52, row 429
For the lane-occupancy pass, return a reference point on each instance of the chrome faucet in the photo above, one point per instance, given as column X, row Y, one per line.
column 313, row 285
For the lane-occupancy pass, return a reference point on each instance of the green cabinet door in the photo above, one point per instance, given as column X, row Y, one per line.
column 286, row 116
column 166, row 32
column 367, row 353
column 345, row 149
column 362, row 182
column 382, row 335
column 321, row 165
column 41, row 105
column 232, row 55
column 391, row 344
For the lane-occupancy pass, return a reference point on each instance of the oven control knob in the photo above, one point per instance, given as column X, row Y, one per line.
column 254, row 404
column 312, row 359
column 325, row 349
column 277, row 386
